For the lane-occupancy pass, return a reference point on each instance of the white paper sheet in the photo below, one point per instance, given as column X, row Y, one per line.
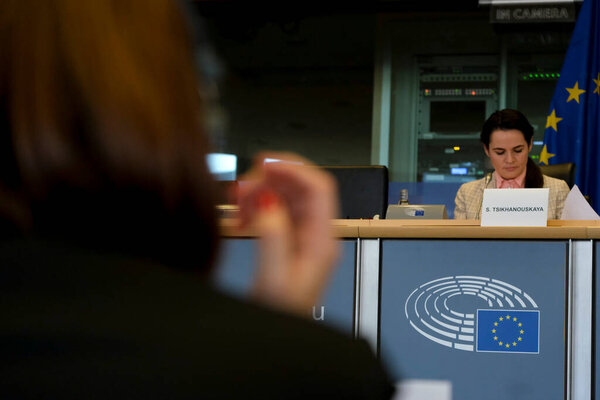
column 577, row 207
column 421, row 389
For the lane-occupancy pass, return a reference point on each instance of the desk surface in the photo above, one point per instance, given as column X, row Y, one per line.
column 441, row 229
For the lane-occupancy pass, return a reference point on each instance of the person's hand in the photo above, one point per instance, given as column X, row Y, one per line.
column 290, row 206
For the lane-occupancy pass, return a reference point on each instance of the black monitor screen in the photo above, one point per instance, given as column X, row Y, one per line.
column 456, row 116
column 363, row 190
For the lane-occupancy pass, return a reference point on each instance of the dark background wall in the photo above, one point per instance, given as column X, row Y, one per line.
column 306, row 76
column 294, row 79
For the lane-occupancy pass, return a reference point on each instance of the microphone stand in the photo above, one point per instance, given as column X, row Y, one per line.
column 488, row 178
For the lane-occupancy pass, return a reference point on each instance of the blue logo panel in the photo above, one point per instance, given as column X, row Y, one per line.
column 508, row 331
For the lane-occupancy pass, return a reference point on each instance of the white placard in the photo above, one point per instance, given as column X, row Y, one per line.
column 515, row 207
column 421, row 389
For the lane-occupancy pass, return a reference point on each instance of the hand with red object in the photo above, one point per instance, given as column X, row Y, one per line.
column 290, row 204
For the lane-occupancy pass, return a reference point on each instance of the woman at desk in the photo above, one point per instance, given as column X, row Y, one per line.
column 507, row 138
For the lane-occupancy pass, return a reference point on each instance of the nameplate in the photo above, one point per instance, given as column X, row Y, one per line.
column 514, row 207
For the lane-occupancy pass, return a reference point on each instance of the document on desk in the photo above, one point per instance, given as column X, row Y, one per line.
column 577, row 207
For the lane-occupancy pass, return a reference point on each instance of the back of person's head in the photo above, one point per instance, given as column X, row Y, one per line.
column 102, row 138
column 505, row 120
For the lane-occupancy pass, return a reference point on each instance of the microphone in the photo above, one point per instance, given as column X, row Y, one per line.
column 488, row 178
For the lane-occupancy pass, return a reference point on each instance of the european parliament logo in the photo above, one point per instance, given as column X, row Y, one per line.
column 510, row 324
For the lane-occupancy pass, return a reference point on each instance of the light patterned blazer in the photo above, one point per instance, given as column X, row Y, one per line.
column 469, row 197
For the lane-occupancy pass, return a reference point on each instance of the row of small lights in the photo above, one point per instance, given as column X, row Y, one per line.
column 540, row 76
column 456, row 91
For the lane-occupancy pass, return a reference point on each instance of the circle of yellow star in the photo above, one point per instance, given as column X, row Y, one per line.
column 597, row 82
column 552, row 120
column 575, row 92
column 544, row 157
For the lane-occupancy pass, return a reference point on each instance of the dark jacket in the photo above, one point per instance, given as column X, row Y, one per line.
column 83, row 324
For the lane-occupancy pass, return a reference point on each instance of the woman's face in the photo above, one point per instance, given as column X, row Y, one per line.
column 508, row 152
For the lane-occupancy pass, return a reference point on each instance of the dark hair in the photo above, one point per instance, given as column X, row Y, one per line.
column 103, row 138
column 509, row 119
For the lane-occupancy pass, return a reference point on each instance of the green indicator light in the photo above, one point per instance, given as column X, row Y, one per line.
column 536, row 75
column 553, row 75
column 531, row 75
column 535, row 157
column 558, row 75
column 547, row 75
column 524, row 78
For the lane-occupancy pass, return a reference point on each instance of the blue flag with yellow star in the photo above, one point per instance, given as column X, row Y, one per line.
column 573, row 126
column 508, row 331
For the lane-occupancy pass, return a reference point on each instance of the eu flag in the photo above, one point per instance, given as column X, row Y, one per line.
column 572, row 125
column 508, row 331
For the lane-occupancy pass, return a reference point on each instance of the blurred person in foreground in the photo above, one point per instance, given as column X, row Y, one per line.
column 108, row 228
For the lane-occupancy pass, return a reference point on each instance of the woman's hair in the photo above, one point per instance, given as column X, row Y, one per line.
column 103, row 137
column 508, row 119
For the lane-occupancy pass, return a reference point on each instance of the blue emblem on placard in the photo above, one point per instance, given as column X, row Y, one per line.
column 508, row 331
column 432, row 309
column 419, row 213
